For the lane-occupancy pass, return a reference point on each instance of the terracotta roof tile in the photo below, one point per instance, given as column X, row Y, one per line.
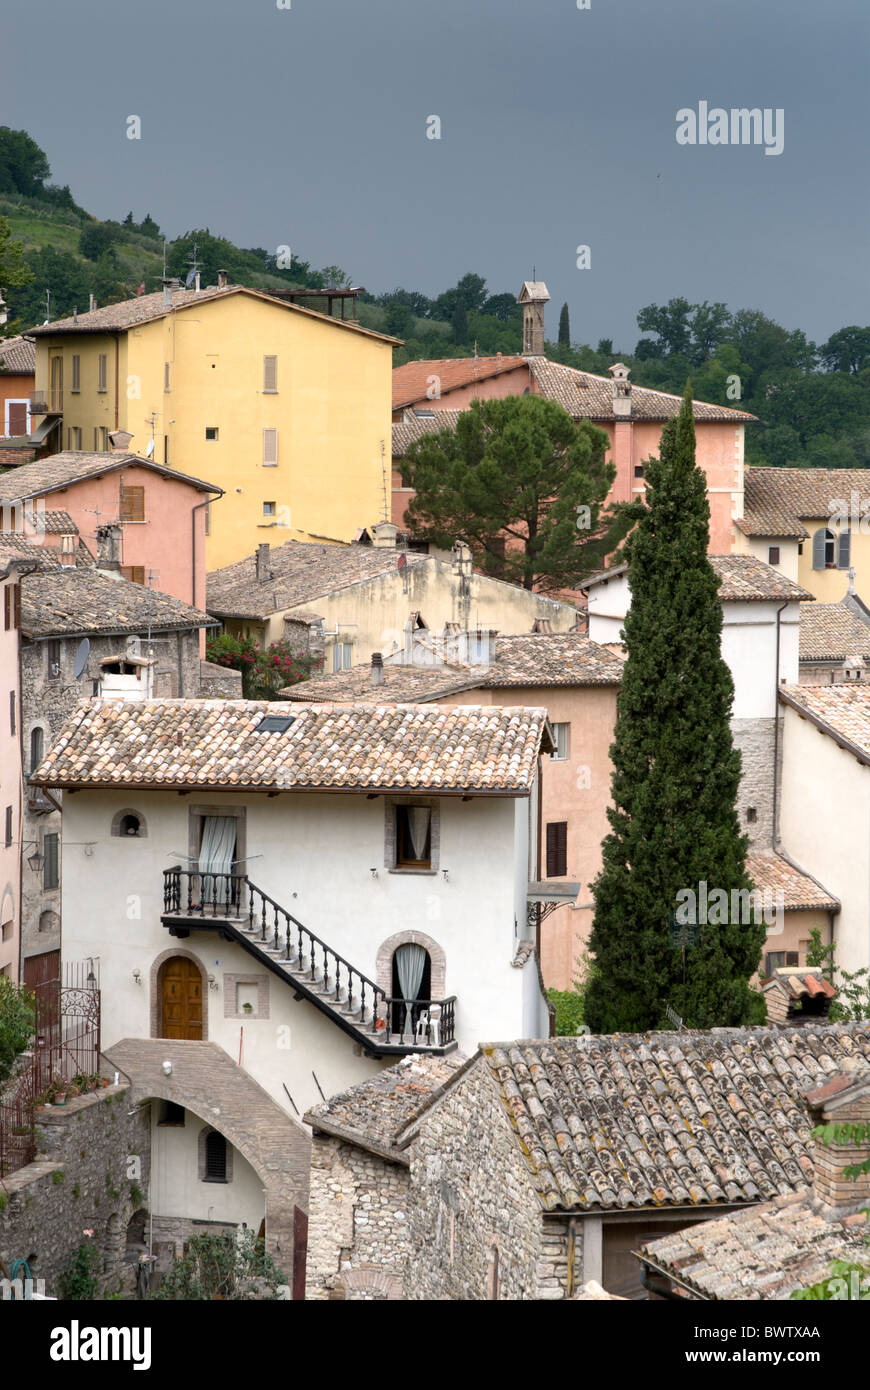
column 373, row 1111
column 742, row 579
column 71, row 466
column 835, row 631
column 842, row 709
column 18, row 356
column 776, row 501
column 770, row 870
column 216, row 743
column 413, row 427
column 64, row 601
column 411, row 381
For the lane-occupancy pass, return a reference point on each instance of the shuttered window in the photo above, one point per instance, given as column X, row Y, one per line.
column 132, row 503
column 560, row 735
column 101, row 372
column 50, row 878
column 825, row 549
column 11, row 606
column 166, row 376
column 270, row 448
column 270, row 375
column 557, row 849
column 76, row 373
column 215, row 1158
column 17, row 417
column 135, row 573
column 844, row 548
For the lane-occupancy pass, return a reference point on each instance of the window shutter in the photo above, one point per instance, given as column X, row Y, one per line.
column 844, row 547
column 101, row 372
column 132, row 503
column 17, row 417
column 12, row 711
column 557, row 849
column 215, row 1157
column 16, row 605
column 76, row 372
column 270, row 448
column 8, row 826
column 166, row 376
column 50, row 874
column 7, row 606
column 819, row 538
column 270, row 374
column 135, row 573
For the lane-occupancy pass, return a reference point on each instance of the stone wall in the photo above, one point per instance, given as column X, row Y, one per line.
column 219, row 682
column 80, row 1181
column 755, row 739
column 357, row 1223
column 472, row 1205
column 12, row 456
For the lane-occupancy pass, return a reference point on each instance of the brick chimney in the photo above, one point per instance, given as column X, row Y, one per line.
column 621, row 390
column 262, row 557
column 377, row 670
column 222, row 279
column 109, row 548
column 843, row 1100
column 120, row 441
column 533, row 296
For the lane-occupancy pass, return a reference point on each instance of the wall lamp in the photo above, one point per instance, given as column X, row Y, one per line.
column 137, row 975
column 36, row 860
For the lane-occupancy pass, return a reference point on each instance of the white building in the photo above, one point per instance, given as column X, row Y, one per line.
column 316, row 891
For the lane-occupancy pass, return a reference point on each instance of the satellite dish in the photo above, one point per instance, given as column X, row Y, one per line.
column 149, row 448
column 84, row 651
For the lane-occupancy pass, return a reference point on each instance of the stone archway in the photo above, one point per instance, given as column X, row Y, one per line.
column 388, row 948
column 156, row 1019
column 368, row 1285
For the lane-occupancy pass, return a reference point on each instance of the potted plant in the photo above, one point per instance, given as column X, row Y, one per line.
column 248, row 1007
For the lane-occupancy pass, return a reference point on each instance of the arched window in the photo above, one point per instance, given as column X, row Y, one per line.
column 215, row 1158
column 411, row 982
column 831, row 551
column 130, row 825
column 37, row 747
column 129, row 822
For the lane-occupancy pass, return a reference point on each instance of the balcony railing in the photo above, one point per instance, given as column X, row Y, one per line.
column 233, row 899
column 48, row 402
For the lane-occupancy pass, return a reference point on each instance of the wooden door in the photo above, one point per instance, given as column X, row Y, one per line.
column 181, row 997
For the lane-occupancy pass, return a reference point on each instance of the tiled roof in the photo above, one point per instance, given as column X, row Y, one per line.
column 215, row 743
column 300, row 571
column 742, row 579
column 413, row 427
column 145, row 308
column 668, row 1119
column 56, row 523
column 412, row 380
column 764, row 1253
column 841, row 709
column 835, row 631
column 800, row 982
column 30, row 549
column 777, row 500
column 584, row 395
column 564, row 659
column 71, row 466
column 61, row 602
column 373, row 1112
column 768, row 869
column 17, row 356
column 589, row 397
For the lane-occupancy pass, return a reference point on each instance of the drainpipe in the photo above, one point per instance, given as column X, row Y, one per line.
column 572, row 1254
column 776, row 723
column 117, row 363
column 218, row 492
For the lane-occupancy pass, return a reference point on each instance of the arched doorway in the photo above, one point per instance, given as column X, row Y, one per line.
column 180, row 994
column 411, row 982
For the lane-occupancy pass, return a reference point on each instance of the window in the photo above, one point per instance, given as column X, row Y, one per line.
column 215, row 1158
column 777, row 960
column 270, row 375
column 76, row 373
column 638, row 470
column 132, row 503
column 12, row 711
column 560, row 734
column 270, row 448
column 211, row 432
column 76, row 438
column 751, row 814
column 130, row 824
column 557, row 849
column 56, row 378
column 268, row 509
column 830, row 551
column 773, row 554
column 8, row 826
column 104, row 438
column 50, row 875
column 52, row 650
column 413, row 837
column 166, row 386
column 135, row 573
column 37, row 747
column 101, row 372
column 17, row 417
column 341, row 655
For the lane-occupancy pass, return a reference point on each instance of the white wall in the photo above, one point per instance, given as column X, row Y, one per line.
column 788, row 553
column 826, row 826
column 313, row 855
column 176, row 1189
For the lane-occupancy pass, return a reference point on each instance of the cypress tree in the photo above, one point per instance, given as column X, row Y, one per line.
column 676, row 772
column 564, row 328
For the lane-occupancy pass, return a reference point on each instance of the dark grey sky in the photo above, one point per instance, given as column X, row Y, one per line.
column 307, row 126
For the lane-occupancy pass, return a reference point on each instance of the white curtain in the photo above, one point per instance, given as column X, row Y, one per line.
column 410, row 964
column 216, row 855
column 418, row 827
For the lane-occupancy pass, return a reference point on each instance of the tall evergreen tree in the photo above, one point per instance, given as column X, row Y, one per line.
column 675, row 777
column 564, row 328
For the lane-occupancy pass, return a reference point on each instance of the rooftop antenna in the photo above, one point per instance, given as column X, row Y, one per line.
column 152, row 421
column 386, row 515
column 194, row 263
column 164, row 258
column 48, row 306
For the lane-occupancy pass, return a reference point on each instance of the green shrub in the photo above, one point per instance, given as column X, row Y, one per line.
column 16, row 1023
column 81, row 1277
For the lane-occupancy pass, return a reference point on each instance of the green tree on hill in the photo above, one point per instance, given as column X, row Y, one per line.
column 564, row 327
column 673, row 822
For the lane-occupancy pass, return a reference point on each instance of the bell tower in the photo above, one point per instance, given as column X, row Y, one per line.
column 533, row 296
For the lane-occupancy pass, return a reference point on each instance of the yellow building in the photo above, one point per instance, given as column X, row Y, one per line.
column 286, row 409
column 813, row 524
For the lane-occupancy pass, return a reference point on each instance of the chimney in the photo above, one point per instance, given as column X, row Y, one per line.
column 843, row 1100
column 167, row 293
column 377, row 670
column 621, row 390
column 92, row 304
column 262, row 557
column 533, row 296
column 120, row 441
column 542, row 625
column 383, row 535
column 222, row 280
column 196, row 282
column 854, row 669
column 109, row 548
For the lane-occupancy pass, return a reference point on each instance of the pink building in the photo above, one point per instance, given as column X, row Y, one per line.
column 11, row 566
column 143, row 519
column 631, row 416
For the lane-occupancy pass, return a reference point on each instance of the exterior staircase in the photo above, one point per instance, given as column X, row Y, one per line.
column 240, row 911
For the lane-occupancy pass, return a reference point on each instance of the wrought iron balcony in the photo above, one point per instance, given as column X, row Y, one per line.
column 233, row 905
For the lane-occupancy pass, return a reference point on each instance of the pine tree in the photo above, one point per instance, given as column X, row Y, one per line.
column 564, row 328
column 675, row 778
